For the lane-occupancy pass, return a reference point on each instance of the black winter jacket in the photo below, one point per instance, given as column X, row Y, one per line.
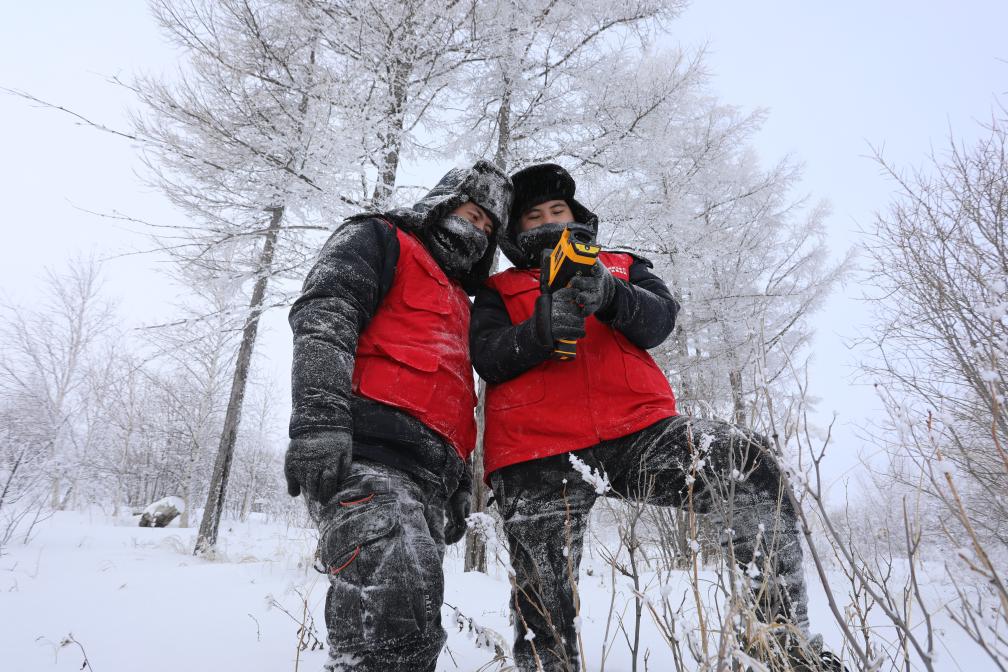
column 341, row 294
column 643, row 310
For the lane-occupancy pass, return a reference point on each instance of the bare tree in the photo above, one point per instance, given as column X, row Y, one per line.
column 24, row 473
column 940, row 261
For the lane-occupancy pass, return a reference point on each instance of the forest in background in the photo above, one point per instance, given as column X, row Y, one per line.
column 290, row 115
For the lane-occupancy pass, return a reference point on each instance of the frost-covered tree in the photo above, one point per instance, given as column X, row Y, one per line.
column 552, row 77
column 743, row 255
column 44, row 365
column 402, row 61
column 242, row 142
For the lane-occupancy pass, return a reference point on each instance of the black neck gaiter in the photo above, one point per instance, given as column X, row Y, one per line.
column 545, row 237
column 455, row 244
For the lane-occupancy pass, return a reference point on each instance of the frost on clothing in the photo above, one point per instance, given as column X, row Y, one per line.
column 537, row 406
column 342, row 296
column 381, row 356
column 483, row 184
column 642, row 309
column 344, row 290
column 341, row 293
column 381, row 546
column 414, row 355
column 456, row 244
column 546, row 503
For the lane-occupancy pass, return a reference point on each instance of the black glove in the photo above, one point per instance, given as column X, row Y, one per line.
column 316, row 463
column 557, row 316
column 595, row 291
column 458, row 508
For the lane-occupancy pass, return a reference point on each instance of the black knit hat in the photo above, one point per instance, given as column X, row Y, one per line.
column 532, row 186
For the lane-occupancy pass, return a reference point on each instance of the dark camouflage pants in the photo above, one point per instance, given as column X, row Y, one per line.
column 381, row 541
column 545, row 505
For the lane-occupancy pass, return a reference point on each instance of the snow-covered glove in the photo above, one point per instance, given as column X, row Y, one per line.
column 595, row 290
column 458, row 508
column 558, row 316
column 316, row 463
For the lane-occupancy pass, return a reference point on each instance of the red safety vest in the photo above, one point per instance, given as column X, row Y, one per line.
column 611, row 389
column 414, row 353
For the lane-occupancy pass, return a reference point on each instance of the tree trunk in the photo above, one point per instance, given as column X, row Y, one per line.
column 503, row 154
column 475, row 553
column 738, row 401
column 392, row 139
column 207, row 539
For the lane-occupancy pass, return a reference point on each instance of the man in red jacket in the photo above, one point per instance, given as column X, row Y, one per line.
column 610, row 415
column 382, row 421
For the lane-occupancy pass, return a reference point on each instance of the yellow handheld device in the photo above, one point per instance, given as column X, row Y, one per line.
column 574, row 254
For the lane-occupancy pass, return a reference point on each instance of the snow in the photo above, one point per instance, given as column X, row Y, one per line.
column 166, row 502
column 483, row 525
column 136, row 599
column 705, row 442
column 596, row 478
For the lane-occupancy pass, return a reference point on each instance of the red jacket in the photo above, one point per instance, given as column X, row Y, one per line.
column 414, row 353
column 613, row 388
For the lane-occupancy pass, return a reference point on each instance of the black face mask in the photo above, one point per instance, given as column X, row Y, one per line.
column 546, row 236
column 456, row 244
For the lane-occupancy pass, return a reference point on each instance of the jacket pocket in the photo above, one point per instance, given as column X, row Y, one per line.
column 431, row 296
column 402, row 379
column 528, row 388
column 643, row 374
column 375, row 596
column 429, row 288
column 362, row 521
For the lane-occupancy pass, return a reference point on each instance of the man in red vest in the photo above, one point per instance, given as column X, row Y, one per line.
column 560, row 434
column 382, row 421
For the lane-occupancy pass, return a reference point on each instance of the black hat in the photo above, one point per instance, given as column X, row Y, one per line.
column 532, row 186
column 538, row 184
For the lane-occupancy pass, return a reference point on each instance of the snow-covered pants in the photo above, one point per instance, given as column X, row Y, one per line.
column 718, row 468
column 381, row 541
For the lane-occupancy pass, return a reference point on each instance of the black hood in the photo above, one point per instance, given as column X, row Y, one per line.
column 485, row 185
column 532, row 186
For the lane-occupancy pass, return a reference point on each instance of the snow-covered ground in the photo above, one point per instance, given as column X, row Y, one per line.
column 137, row 600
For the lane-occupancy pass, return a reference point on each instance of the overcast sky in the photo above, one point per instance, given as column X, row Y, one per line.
column 836, row 77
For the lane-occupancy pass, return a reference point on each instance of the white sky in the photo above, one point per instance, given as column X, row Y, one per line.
column 835, row 77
